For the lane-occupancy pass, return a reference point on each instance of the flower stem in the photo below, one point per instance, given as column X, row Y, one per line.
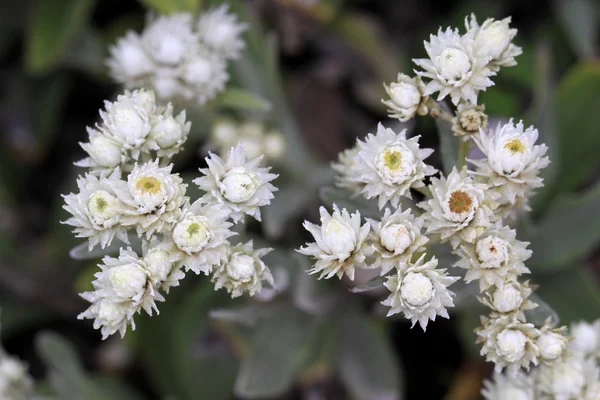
column 463, row 153
column 437, row 110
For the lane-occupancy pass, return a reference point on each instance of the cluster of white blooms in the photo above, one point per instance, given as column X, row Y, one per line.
column 177, row 235
column 182, row 58
column 576, row 376
column 252, row 135
column 468, row 208
column 15, row 382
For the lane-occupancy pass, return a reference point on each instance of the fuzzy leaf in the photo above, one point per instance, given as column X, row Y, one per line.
column 373, row 284
column 538, row 315
column 579, row 19
column 449, row 145
column 243, row 100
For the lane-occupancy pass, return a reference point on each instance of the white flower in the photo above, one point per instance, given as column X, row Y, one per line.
column 513, row 161
column 396, row 238
column 494, row 258
column 15, row 382
column 168, row 133
column 251, row 135
column 274, row 145
column 469, row 119
column 493, row 41
column 244, row 271
column 586, row 338
column 459, row 210
column 552, row 342
column 453, row 67
column 420, row 292
column 162, row 264
column 240, row 185
column 340, row 243
column 406, row 98
column 204, row 76
column 508, row 343
column 564, row 379
column 151, row 199
column 509, row 298
column 170, row 39
column 347, row 172
column 390, row 165
column 220, row 31
column 122, row 288
column 504, row 387
column 128, row 59
column 127, row 120
column 201, row 236
column 94, row 210
column 104, row 152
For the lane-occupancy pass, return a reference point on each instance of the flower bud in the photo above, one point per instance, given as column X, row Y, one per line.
column 192, row 234
column 238, row 186
column 241, row 267
column 551, row 345
column 339, row 236
column 511, row 344
column 158, row 263
column 507, row 298
column 104, row 151
column 167, row 132
column 127, row 280
column 454, row 64
column 417, row 289
column 395, row 238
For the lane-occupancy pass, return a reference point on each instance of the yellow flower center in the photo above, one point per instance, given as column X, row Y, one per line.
column 515, row 146
column 393, row 159
column 460, row 202
column 148, row 184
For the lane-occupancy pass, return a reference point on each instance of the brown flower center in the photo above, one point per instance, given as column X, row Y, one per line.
column 460, row 202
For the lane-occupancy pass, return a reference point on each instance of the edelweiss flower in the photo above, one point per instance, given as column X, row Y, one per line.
column 151, row 199
column 564, row 379
column 220, row 32
column 94, row 209
column 494, row 258
column 406, row 98
column 504, row 387
column 347, row 173
column 200, row 237
column 459, row 210
column 396, row 238
column 123, row 288
column 340, row 244
column 493, row 41
column 162, row 264
column 513, row 161
column 586, row 338
column 508, row 343
column 391, row 165
column 552, row 342
column 15, row 382
column 469, row 119
column 420, row 292
column 509, row 299
column 453, row 67
column 241, row 186
column 243, row 271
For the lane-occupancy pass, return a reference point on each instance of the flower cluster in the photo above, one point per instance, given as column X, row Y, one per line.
column 177, row 235
column 469, row 208
column 574, row 377
column 252, row 135
column 181, row 57
column 15, row 382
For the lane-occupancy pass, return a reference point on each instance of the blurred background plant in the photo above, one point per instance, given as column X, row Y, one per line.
column 312, row 70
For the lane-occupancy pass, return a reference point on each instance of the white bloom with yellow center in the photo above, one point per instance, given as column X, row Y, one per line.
column 494, row 258
column 458, row 210
column 221, row 33
column 94, row 210
column 241, row 186
column 564, row 379
column 389, row 165
column 504, row 387
column 508, row 343
column 586, row 338
column 201, row 236
column 122, row 288
column 510, row 298
column 493, row 41
column 151, row 199
column 454, row 67
column 396, row 238
column 420, row 292
column 513, row 161
column 406, row 98
column 340, row 243
column 469, row 119
column 243, row 270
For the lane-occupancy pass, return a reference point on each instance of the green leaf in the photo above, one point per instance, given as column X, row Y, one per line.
column 58, row 353
column 579, row 18
column 567, row 232
column 578, row 120
column 53, row 25
column 279, row 349
column 573, row 293
column 373, row 284
column 543, row 311
column 449, row 145
column 172, row 6
column 367, row 362
column 242, row 99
